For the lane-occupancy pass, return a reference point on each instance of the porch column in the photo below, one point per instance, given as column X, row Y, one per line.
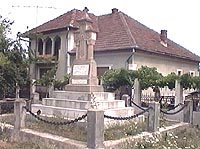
column 53, row 46
column 44, row 46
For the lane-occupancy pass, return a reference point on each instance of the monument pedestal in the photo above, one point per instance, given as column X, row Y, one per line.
column 84, row 77
column 84, row 88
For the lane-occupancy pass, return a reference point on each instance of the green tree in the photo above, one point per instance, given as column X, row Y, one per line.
column 13, row 63
column 149, row 77
column 170, row 80
column 196, row 82
column 186, row 81
column 115, row 78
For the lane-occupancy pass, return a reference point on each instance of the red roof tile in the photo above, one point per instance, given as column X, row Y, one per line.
column 119, row 31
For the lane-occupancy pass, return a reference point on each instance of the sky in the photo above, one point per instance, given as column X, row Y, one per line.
column 179, row 17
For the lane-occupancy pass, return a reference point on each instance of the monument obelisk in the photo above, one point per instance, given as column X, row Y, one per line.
column 84, row 69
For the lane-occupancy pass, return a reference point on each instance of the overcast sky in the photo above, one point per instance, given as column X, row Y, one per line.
column 181, row 18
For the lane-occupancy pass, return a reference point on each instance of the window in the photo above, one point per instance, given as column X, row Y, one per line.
column 192, row 73
column 57, row 47
column 48, row 46
column 40, row 46
column 179, row 72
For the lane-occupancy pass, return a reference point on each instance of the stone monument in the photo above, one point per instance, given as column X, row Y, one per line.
column 83, row 91
column 84, row 69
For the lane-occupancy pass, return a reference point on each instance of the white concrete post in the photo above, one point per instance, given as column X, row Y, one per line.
column 188, row 112
column 137, row 92
column 127, row 99
column 95, row 129
column 154, row 116
column 19, row 113
column 178, row 93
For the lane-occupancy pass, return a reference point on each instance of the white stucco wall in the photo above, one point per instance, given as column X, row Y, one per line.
column 165, row 64
column 113, row 59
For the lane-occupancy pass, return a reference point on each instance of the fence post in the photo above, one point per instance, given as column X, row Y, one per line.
column 188, row 112
column 19, row 114
column 137, row 94
column 178, row 93
column 127, row 100
column 154, row 116
column 95, row 129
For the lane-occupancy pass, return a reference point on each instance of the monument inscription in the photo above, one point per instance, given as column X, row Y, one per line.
column 79, row 81
column 80, row 70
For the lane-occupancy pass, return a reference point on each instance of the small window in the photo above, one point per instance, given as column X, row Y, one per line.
column 179, row 72
column 192, row 73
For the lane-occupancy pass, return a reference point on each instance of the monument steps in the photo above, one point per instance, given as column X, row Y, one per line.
column 72, row 113
column 83, row 95
column 82, row 104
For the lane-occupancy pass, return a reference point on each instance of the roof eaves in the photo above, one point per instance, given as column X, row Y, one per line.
column 168, row 54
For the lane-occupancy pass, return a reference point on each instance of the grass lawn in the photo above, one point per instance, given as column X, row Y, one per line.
column 188, row 138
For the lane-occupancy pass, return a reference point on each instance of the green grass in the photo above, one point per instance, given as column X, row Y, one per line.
column 118, row 131
column 6, row 144
column 186, row 139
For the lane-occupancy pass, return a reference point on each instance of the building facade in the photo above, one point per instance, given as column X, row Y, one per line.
column 121, row 42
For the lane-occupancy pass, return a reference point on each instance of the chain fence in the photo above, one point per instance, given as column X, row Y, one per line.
column 141, row 108
column 128, row 117
column 56, row 123
column 175, row 112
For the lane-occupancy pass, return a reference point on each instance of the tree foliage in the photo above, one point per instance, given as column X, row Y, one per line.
column 170, row 80
column 13, row 61
column 115, row 78
column 48, row 78
column 148, row 77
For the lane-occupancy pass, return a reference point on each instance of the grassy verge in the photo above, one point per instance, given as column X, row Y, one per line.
column 6, row 144
column 185, row 139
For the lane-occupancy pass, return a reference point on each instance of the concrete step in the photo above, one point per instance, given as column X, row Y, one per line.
column 120, row 112
column 74, row 113
column 58, row 111
column 83, row 95
column 82, row 104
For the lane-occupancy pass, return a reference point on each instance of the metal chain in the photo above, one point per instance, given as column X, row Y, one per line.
column 138, row 106
column 172, row 113
column 129, row 117
column 57, row 123
column 175, row 107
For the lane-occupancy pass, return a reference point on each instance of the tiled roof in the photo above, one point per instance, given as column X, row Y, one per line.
column 119, row 31
column 68, row 19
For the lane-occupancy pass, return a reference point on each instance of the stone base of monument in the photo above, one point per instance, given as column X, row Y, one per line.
column 71, row 105
column 84, row 88
column 72, row 113
column 74, row 95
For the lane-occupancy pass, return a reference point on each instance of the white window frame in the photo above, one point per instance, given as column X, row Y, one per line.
column 192, row 72
column 179, row 70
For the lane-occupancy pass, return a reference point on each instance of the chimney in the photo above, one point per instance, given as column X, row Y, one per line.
column 86, row 9
column 163, row 37
column 114, row 10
